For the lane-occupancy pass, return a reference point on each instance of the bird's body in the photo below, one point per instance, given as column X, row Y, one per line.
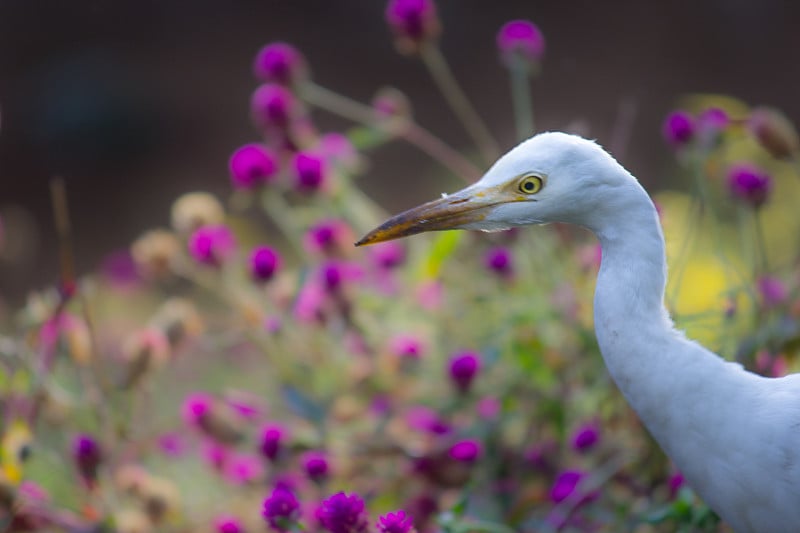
column 734, row 435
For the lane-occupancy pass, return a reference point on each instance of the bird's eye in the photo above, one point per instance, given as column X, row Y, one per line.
column 530, row 184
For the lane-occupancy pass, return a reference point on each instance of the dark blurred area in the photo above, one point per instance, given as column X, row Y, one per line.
column 134, row 103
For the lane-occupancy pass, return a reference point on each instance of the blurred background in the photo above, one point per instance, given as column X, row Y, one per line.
column 134, row 103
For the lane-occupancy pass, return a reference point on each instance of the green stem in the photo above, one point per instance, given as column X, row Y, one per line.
column 275, row 207
column 521, row 99
column 762, row 261
column 406, row 129
column 455, row 97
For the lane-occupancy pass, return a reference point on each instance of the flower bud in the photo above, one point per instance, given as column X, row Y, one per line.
column 88, row 456
column 774, row 132
column 194, row 210
column 264, row 263
column 280, row 63
column 252, row 165
column 212, row 245
column 749, row 184
column 520, row 43
column 678, row 128
column 413, row 22
column 463, row 369
column 155, row 253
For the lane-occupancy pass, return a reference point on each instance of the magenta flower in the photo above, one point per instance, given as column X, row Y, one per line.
column 387, row 255
column 264, row 263
column 251, row 165
column 463, row 369
column 281, row 510
column 396, row 522
column 343, row 514
column 674, row 483
column 413, row 22
column 586, row 437
column 310, row 172
column 466, row 451
column 87, row 455
column 315, row 465
column 749, row 184
column 241, row 469
column 678, row 128
column 406, row 346
column 212, row 245
column 423, row 418
column 337, row 149
column 520, row 42
column 565, row 485
column 329, row 237
column 272, row 439
column 196, row 406
column 228, row 524
column 711, row 123
column 499, row 261
column 273, row 106
column 772, row 291
column 280, row 63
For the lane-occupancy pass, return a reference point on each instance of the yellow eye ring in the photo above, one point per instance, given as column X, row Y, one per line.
column 531, row 184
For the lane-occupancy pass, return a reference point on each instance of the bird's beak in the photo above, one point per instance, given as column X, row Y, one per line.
column 465, row 208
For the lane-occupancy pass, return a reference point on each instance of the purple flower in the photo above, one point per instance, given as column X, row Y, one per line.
column 242, row 469
column 406, row 346
column 331, row 276
column 711, row 122
column 228, row 524
column 339, row 151
column 466, row 451
column 463, row 369
column 310, row 173
column 413, row 22
column 674, row 483
column 88, row 456
column 387, row 255
column 586, row 437
column 212, row 244
column 281, row 63
column 749, row 184
column 252, row 164
column 772, row 290
column 343, row 514
column 281, row 510
column 678, row 128
column 272, row 437
column 520, row 40
column 499, row 260
column 329, row 237
column 196, row 406
column 565, row 485
column 396, row 522
column 264, row 262
column 315, row 465
column 273, row 106
column 423, row 418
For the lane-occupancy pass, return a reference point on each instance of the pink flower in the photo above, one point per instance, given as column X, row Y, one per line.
column 280, row 63
column 212, row 245
column 520, row 40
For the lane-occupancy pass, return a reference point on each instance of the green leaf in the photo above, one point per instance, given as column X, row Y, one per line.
column 444, row 245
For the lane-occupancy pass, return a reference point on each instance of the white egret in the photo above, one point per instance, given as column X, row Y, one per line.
column 734, row 435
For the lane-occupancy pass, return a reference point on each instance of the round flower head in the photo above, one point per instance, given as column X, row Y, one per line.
column 310, row 172
column 212, row 245
column 196, row 209
column 565, row 485
column 315, row 465
column 196, row 406
column 228, row 524
column 264, row 263
column 499, row 261
column 388, row 255
column 749, row 184
column 272, row 441
column 466, row 451
column 423, row 418
column 251, row 165
column 390, row 103
column 242, row 469
column 772, row 291
column 273, row 106
column 463, row 369
column 88, row 456
column 712, row 121
column 406, row 346
column 520, row 43
column 678, row 128
column 586, row 437
column 281, row 510
column 329, row 238
column 774, row 132
column 413, row 22
column 396, row 522
column 280, row 63
column 331, row 276
column 343, row 514
column 339, row 151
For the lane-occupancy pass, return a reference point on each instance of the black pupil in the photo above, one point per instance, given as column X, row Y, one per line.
column 528, row 186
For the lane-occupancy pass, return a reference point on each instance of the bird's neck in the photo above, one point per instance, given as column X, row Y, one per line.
column 633, row 328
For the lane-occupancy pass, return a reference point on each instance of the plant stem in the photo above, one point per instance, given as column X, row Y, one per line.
column 455, row 97
column 406, row 129
column 762, row 264
column 521, row 99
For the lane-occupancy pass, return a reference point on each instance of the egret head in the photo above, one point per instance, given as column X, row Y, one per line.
column 552, row 177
